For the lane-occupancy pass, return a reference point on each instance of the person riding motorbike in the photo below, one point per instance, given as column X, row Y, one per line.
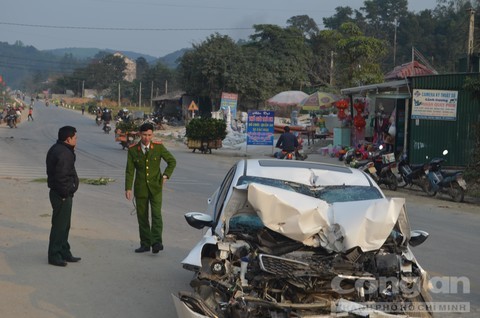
column 12, row 112
column 106, row 117
column 288, row 142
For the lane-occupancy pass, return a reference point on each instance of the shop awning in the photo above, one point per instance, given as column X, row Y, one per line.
column 381, row 87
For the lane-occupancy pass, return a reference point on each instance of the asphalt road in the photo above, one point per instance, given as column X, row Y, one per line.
column 113, row 281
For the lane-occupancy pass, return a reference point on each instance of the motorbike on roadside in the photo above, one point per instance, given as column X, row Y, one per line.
column 448, row 182
column 412, row 174
column 378, row 165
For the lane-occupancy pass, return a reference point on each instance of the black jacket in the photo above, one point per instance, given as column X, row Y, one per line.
column 62, row 176
column 287, row 142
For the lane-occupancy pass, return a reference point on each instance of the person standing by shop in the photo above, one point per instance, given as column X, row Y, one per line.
column 144, row 173
column 63, row 182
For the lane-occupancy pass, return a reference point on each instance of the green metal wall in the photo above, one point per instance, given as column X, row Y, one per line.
column 428, row 138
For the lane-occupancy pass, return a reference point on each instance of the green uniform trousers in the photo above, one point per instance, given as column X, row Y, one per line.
column 58, row 247
column 150, row 235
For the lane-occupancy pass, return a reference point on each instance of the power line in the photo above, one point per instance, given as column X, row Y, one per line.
column 120, row 29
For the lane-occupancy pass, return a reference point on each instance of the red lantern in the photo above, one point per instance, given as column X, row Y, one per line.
column 358, row 120
column 341, row 105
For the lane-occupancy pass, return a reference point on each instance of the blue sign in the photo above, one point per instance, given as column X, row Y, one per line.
column 260, row 129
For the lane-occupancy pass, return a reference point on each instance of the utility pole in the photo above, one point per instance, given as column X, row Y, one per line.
column 119, row 100
column 166, row 87
column 395, row 45
column 140, row 96
column 470, row 40
column 331, row 68
column 151, row 97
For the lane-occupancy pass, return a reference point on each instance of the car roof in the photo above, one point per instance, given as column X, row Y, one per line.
column 305, row 172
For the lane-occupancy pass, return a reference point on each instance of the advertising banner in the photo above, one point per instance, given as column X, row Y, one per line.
column 434, row 104
column 260, row 128
column 229, row 100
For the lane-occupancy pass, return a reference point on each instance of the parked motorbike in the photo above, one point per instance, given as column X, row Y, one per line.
column 451, row 183
column 412, row 174
column 379, row 166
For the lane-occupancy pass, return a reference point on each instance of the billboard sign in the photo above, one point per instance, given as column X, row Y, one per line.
column 434, row 104
column 260, row 130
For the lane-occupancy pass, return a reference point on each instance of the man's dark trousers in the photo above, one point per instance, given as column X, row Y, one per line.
column 58, row 247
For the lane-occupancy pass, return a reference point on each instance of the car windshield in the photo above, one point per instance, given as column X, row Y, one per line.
column 330, row 194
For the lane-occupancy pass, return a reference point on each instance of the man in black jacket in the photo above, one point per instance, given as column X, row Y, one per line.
column 63, row 182
column 287, row 142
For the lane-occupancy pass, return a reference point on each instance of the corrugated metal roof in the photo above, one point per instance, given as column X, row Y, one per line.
column 373, row 87
column 175, row 95
column 408, row 70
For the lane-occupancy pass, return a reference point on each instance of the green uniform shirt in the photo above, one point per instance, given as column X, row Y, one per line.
column 146, row 169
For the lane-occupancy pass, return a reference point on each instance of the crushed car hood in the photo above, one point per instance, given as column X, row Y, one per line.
column 337, row 227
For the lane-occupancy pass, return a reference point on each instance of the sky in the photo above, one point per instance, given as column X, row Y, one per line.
column 153, row 27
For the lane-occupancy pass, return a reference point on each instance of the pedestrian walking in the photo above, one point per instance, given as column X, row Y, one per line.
column 143, row 171
column 30, row 113
column 63, row 183
column 83, row 109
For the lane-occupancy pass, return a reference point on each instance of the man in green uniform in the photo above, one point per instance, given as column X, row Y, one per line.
column 143, row 166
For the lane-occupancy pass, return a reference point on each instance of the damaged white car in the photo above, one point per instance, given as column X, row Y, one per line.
column 303, row 239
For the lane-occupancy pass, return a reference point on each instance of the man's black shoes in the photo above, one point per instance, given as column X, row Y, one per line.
column 142, row 249
column 72, row 259
column 59, row 262
column 157, row 247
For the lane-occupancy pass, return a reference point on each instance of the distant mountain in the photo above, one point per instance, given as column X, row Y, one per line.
column 20, row 64
column 169, row 60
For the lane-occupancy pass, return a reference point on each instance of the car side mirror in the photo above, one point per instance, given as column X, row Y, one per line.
column 417, row 237
column 198, row 220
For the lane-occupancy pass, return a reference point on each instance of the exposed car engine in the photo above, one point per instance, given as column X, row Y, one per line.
column 269, row 275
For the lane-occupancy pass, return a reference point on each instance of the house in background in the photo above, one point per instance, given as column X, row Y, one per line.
column 130, row 72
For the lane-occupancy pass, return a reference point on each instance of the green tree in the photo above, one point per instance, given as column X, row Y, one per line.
column 212, row 67
column 359, row 56
column 142, row 67
column 286, row 54
column 342, row 15
column 104, row 73
column 304, row 23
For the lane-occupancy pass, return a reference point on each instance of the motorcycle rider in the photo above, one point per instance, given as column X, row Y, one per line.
column 12, row 112
column 288, row 142
column 106, row 117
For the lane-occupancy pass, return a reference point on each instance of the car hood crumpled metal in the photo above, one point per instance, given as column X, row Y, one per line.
column 338, row 226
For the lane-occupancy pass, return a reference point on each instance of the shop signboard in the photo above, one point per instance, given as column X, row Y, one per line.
column 434, row 104
column 260, row 129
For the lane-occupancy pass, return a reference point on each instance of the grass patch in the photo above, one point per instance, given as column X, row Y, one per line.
column 98, row 181
column 43, row 180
